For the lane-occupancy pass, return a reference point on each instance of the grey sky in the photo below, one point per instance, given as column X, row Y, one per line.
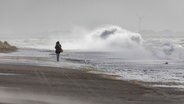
column 30, row 16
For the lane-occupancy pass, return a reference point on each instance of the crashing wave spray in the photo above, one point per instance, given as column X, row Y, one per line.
column 107, row 38
column 131, row 45
column 113, row 38
column 164, row 48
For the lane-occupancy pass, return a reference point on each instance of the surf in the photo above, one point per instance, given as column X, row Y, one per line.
column 111, row 38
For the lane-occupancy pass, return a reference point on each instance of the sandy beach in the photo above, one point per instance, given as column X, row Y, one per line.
column 91, row 52
column 23, row 84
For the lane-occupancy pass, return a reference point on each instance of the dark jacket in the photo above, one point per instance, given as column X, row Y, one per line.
column 58, row 48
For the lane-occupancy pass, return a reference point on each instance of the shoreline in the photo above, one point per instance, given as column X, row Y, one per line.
column 13, row 60
column 63, row 85
column 171, row 85
column 41, row 57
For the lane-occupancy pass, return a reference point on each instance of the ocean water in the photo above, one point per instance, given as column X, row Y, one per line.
column 152, row 71
column 111, row 50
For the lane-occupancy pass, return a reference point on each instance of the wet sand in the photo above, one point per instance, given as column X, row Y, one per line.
column 23, row 84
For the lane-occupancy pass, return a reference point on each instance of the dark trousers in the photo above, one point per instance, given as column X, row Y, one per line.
column 57, row 56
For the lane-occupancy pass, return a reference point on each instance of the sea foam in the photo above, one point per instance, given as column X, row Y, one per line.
column 112, row 38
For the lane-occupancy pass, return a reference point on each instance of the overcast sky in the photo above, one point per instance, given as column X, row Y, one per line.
column 30, row 16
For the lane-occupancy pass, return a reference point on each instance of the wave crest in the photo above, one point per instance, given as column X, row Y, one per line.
column 114, row 37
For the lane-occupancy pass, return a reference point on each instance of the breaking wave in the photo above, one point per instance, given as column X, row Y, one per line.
column 113, row 38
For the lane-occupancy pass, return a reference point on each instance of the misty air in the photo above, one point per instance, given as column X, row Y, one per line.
column 91, row 52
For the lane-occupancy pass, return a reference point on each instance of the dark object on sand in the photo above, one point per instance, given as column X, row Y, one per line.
column 166, row 63
column 6, row 47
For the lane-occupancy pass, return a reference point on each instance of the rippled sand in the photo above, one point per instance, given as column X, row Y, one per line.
column 23, row 84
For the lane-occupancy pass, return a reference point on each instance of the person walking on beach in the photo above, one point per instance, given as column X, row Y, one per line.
column 58, row 50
